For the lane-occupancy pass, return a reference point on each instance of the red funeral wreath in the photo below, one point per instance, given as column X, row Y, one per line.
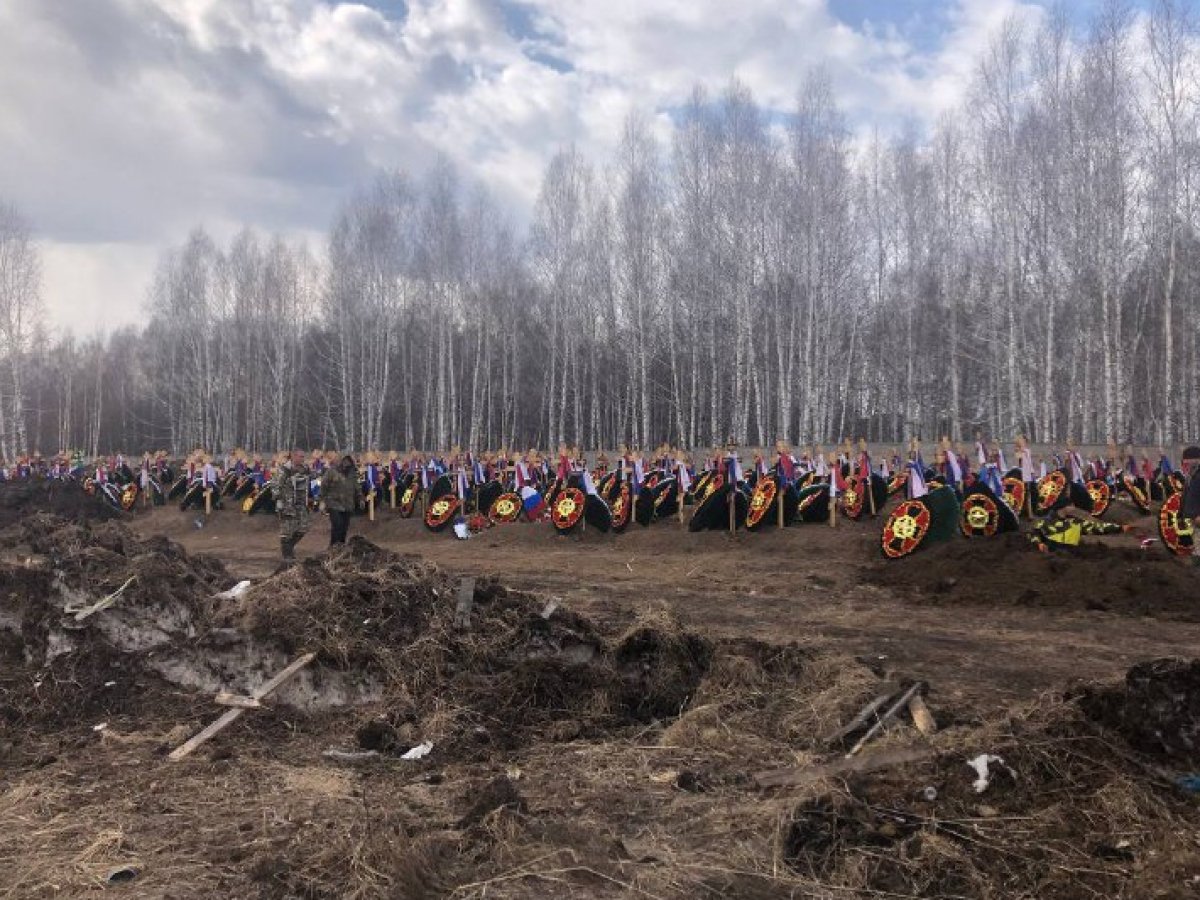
column 714, row 483
column 1014, row 494
column 567, row 509
column 129, row 496
column 980, row 516
column 812, row 497
column 761, row 501
column 852, row 498
column 505, row 508
column 906, row 527
column 1101, row 495
column 1049, row 489
column 440, row 512
column 1175, row 530
column 407, row 500
column 1140, row 500
column 896, row 483
column 621, row 507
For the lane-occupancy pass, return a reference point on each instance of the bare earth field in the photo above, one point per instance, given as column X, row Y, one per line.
column 615, row 744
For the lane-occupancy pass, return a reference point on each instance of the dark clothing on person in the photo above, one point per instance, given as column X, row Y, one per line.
column 1191, row 495
column 340, row 491
column 339, row 526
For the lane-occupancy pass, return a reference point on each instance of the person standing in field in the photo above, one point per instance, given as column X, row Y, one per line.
column 341, row 496
column 290, row 483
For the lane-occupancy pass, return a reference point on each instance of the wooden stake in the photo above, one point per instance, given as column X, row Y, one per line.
column 371, row 506
column 779, row 500
column 392, row 489
column 228, row 718
column 207, row 502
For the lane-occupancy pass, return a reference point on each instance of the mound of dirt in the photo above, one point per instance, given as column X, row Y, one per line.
column 1063, row 813
column 516, row 667
column 67, row 499
column 1156, row 709
column 66, row 671
column 1007, row 570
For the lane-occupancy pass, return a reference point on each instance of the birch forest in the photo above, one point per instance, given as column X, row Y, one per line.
column 1029, row 264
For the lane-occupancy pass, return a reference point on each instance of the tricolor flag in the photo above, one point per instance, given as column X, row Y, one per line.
column 953, row 468
column 837, row 484
column 787, row 468
column 733, row 466
column 532, row 503
column 1025, row 458
column 990, row 475
column 685, row 478
column 916, row 479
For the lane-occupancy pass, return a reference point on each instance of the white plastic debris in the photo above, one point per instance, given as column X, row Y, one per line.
column 981, row 765
column 461, row 531
column 420, row 751
column 100, row 727
column 234, row 592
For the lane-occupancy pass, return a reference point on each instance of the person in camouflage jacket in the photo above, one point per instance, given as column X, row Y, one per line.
column 290, row 483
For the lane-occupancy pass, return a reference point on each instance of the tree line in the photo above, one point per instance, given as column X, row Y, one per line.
column 1029, row 265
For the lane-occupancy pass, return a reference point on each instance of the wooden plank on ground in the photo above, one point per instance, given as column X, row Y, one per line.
column 106, row 602
column 801, row 775
column 466, row 599
column 864, row 716
column 231, row 716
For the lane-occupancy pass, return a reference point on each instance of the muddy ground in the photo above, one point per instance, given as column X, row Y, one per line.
column 604, row 725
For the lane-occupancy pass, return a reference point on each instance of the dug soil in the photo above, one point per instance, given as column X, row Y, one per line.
column 651, row 714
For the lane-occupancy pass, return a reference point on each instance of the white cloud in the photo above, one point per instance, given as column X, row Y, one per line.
column 125, row 123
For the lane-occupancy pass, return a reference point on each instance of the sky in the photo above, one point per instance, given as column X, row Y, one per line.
column 124, row 124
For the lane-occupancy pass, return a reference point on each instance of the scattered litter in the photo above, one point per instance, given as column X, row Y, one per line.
column 100, row 727
column 234, row 592
column 929, row 794
column 462, row 531
column 420, row 751
column 549, row 608
column 980, row 764
column 110, row 684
